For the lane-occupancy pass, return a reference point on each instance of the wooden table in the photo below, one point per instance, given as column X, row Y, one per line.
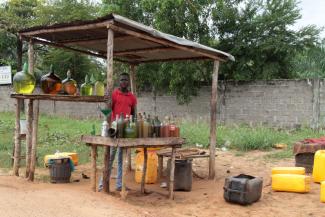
column 126, row 145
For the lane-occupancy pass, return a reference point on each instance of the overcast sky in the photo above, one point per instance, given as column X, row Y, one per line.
column 313, row 12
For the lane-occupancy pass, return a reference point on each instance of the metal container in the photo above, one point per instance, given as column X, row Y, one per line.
column 243, row 189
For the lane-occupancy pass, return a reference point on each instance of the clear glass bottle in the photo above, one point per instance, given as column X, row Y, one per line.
column 23, row 81
column 51, row 83
column 86, row 88
column 69, row 85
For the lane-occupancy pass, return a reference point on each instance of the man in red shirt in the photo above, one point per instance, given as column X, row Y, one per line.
column 123, row 101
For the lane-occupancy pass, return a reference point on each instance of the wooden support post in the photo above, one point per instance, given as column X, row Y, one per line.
column 110, row 46
column 17, row 138
column 106, row 172
column 31, row 57
column 34, row 142
column 144, row 170
column 160, row 166
column 125, row 163
column 93, row 174
column 171, row 174
column 213, row 121
column 109, row 88
column 133, row 90
column 19, row 54
column 29, row 119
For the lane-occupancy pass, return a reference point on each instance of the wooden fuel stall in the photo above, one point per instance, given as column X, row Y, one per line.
column 128, row 42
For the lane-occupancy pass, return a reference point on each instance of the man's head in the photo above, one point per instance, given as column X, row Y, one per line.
column 124, row 81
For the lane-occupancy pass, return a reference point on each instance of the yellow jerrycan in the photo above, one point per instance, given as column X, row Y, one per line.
column 291, row 183
column 319, row 166
column 152, row 166
column 288, row 170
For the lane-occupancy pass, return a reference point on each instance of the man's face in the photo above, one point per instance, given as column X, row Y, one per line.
column 124, row 81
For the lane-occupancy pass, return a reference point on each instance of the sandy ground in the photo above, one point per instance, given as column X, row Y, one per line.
column 21, row 198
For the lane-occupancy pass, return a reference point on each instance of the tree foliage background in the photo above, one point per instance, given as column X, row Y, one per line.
column 258, row 33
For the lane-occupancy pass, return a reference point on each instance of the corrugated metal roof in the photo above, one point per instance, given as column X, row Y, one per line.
column 133, row 41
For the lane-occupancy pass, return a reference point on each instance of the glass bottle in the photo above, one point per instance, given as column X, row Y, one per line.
column 120, row 126
column 23, row 81
column 145, row 129
column 172, row 127
column 86, row 88
column 129, row 130
column 69, row 85
column 99, row 88
column 157, row 125
column 134, row 125
column 51, row 83
column 139, row 126
column 166, row 127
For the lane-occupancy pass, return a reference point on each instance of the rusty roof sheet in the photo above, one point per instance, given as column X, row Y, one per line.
column 133, row 41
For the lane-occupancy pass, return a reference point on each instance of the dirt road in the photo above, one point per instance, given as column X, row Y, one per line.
column 21, row 198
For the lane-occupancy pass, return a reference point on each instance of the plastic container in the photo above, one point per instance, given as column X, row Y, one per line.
column 60, row 171
column 291, row 183
column 243, row 189
column 74, row 157
column 305, row 160
column 319, row 166
column 182, row 174
column 322, row 192
column 152, row 165
column 288, row 170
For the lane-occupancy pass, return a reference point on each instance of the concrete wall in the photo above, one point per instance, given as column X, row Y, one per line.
column 280, row 103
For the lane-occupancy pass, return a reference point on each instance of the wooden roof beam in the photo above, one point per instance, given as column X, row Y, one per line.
column 83, row 41
column 162, row 42
column 145, row 50
column 53, row 44
column 175, row 59
column 67, row 28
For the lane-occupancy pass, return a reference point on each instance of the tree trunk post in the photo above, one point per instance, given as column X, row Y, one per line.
column 109, row 91
column 93, row 167
column 125, row 162
column 19, row 54
column 29, row 135
column 34, row 142
column 144, row 170
column 17, row 138
column 134, row 91
column 172, row 174
column 213, row 121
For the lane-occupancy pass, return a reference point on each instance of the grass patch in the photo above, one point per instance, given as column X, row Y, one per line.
column 63, row 134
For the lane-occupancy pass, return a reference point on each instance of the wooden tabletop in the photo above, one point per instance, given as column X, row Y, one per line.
column 134, row 142
column 58, row 97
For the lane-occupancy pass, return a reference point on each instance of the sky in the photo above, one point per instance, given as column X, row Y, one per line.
column 313, row 12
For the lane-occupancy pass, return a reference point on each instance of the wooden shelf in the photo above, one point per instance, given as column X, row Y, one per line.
column 59, row 97
column 134, row 143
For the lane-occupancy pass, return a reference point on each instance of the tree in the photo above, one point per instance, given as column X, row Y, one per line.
column 310, row 63
column 258, row 34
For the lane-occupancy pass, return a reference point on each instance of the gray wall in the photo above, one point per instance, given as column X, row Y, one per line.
column 280, row 103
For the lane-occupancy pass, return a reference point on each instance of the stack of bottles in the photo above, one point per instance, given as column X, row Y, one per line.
column 143, row 126
column 50, row 83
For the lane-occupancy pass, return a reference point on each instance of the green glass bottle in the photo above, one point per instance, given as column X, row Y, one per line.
column 23, row 81
column 69, row 85
column 99, row 88
column 86, row 88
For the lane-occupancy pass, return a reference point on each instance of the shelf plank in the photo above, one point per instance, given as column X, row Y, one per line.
column 59, row 97
column 134, row 143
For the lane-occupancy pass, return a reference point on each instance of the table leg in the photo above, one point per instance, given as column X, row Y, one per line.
column 106, row 173
column 125, row 165
column 171, row 175
column 34, row 142
column 93, row 167
column 29, row 136
column 144, row 170
column 17, row 138
column 160, row 166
